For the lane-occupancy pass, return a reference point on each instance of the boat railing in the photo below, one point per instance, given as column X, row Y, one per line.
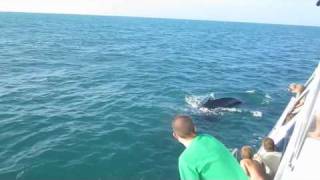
column 281, row 129
column 303, row 121
column 308, row 114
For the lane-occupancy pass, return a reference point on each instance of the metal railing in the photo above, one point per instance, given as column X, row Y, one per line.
column 303, row 122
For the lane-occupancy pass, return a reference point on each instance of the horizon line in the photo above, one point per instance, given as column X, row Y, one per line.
column 165, row 18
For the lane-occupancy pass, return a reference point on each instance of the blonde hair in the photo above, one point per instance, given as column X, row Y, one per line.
column 296, row 88
column 246, row 152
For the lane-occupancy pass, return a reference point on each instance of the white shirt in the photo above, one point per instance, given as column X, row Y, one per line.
column 271, row 160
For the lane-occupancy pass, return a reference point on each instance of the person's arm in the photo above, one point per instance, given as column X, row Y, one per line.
column 257, row 158
column 299, row 104
column 242, row 164
column 187, row 172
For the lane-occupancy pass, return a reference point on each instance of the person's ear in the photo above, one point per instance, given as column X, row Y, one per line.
column 175, row 135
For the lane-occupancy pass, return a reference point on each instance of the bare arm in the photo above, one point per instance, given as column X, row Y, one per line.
column 243, row 165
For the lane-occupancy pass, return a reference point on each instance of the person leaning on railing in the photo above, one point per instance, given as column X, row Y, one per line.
column 250, row 166
column 270, row 159
column 204, row 158
column 296, row 89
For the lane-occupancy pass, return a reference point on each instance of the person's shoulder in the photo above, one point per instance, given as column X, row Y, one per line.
column 278, row 154
column 188, row 157
column 206, row 137
column 244, row 161
column 183, row 154
column 211, row 140
column 183, row 158
column 188, row 153
column 274, row 153
column 203, row 135
column 267, row 156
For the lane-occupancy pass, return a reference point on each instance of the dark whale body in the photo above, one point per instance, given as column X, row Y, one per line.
column 221, row 102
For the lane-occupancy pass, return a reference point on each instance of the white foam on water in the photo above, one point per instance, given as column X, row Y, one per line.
column 231, row 109
column 256, row 113
column 268, row 96
column 251, row 91
column 267, row 99
column 212, row 95
column 193, row 101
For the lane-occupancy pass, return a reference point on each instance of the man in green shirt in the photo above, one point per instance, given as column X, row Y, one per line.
column 205, row 158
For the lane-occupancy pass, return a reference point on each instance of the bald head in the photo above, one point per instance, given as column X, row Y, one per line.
column 183, row 126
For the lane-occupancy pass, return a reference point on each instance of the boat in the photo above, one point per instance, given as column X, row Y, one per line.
column 300, row 152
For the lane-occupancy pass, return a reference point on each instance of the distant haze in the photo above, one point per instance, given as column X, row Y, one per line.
column 296, row 12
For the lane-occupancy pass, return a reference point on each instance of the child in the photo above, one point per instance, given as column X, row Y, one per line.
column 251, row 167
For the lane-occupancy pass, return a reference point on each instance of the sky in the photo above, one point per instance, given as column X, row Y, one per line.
column 295, row 12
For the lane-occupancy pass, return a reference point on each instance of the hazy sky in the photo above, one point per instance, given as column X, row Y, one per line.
column 299, row 12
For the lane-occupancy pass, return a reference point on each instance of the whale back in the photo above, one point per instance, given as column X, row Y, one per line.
column 221, row 102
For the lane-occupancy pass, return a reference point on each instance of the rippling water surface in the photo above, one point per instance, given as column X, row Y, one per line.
column 86, row 97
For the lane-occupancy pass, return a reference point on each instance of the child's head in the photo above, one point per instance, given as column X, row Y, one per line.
column 268, row 144
column 246, row 152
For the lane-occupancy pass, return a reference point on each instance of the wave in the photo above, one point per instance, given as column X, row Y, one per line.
column 267, row 99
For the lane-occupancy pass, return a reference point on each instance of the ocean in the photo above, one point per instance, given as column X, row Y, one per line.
column 92, row 97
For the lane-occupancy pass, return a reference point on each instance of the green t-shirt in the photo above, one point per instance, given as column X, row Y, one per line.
column 208, row 159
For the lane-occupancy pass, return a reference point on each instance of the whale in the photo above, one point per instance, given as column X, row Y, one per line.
column 226, row 102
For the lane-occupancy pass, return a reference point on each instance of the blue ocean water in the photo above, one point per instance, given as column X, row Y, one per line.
column 89, row 97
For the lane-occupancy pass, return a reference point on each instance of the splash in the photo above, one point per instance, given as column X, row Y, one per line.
column 194, row 101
